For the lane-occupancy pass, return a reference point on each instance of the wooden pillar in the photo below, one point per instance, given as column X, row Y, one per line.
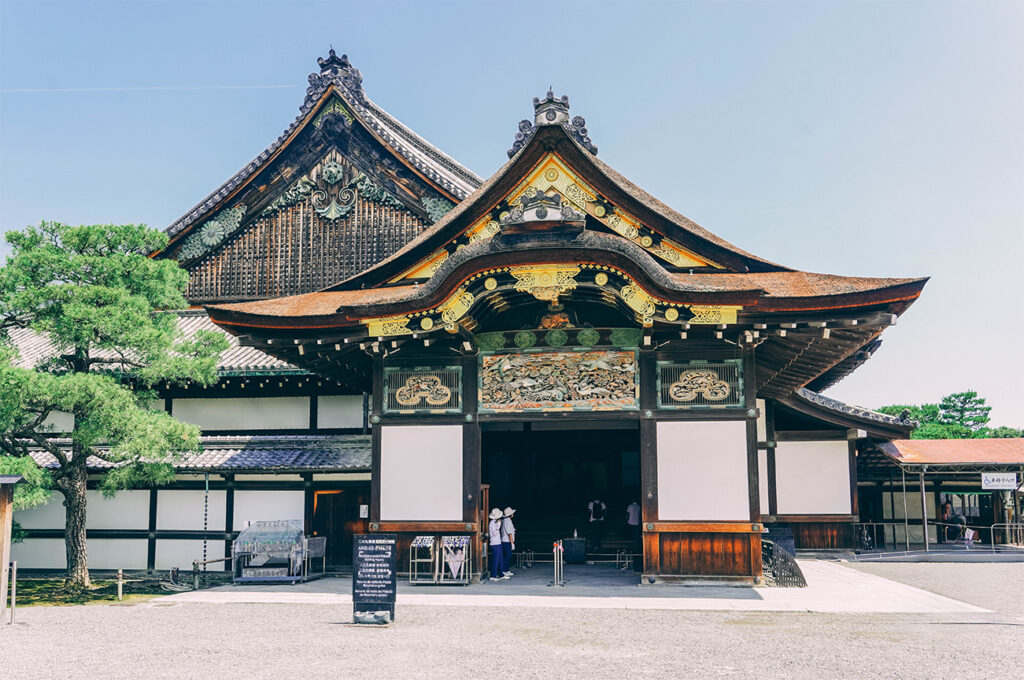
column 6, row 520
column 377, row 395
column 924, row 507
column 471, row 454
column 649, row 459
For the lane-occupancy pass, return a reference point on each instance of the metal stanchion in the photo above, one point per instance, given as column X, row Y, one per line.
column 14, row 590
column 558, row 553
column 120, row 585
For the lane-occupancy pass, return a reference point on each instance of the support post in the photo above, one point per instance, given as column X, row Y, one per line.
column 924, row 508
column 906, row 516
column 6, row 520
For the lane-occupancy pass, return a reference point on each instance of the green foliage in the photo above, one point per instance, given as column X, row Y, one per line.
column 965, row 409
column 962, row 415
column 96, row 294
column 35, row 489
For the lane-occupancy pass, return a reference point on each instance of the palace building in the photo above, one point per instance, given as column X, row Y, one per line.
column 412, row 346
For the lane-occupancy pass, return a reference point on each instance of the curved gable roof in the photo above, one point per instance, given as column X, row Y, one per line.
column 337, row 77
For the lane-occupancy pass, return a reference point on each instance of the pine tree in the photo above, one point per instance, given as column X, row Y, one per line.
column 97, row 296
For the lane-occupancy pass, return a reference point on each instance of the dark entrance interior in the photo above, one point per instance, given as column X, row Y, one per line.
column 550, row 472
column 336, row 516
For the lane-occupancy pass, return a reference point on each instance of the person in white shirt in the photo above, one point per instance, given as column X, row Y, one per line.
column 494, row 539
column 508, row 540
column 633, row 522
column 597, row 510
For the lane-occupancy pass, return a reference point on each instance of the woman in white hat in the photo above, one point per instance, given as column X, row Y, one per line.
column 508, row 539
column 497, row 553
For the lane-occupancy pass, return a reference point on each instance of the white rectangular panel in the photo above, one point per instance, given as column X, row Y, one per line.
column 172, row 552
column 40, row 553
column 59, row 421
column 421, row 473
column 182, row 509
column 117, row 553
column 339, row 410
column 812, row 478
column 126, row 510
column 762, row 480
column 762, row 421
column 702, row 471
column 257, row 413
column 47, row 516
column 252, row 506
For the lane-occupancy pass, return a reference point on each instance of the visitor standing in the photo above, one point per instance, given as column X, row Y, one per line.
column 633, row 522
column 494, row 538
column 508, row 540
column 597, row 510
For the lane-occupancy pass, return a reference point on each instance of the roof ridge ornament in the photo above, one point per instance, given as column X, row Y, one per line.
column 337, row 71
column 552, row 110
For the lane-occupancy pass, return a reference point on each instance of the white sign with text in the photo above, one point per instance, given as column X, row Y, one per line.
column 999, row 480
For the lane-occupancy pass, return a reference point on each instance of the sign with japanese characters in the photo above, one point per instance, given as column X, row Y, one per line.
column 999, row 480
column 374, row 577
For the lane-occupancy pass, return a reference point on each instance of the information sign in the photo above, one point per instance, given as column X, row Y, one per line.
column 374, row 577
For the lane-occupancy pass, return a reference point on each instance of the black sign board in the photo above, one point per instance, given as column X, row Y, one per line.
column 374, row 577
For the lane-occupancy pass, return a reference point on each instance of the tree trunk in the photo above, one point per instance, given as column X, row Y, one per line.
column 72, row 485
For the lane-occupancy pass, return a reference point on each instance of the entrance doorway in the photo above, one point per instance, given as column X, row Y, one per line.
column 550, row 472
column 336, row 516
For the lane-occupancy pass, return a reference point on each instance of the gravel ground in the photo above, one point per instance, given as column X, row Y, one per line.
column 998, row 586
column 274, row 641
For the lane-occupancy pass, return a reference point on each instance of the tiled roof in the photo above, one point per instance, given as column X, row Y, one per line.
column 1008, row 451
column 34, row 347
column 261, row 452
column 841, row 407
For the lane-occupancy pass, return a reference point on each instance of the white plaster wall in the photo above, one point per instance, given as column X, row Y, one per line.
column 812, row 478
column 762, row 480
column 913, row 502
column 58, row 421
column 181, row 509
column 48, row 516
column 181, row 553
column 342, row 410
column 258, row 413
column 40, row 553
column 126, row 510
column 268, row 478
column 702, row 471
column 117, row 553
column 421, row 473
column 253, row 506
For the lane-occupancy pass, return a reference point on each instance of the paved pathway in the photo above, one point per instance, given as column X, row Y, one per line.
column 831, row 588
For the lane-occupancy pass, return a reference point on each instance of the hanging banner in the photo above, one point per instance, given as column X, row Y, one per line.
column 999, row 480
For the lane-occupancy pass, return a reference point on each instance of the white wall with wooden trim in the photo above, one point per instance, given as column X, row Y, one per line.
column 702, row 471
column 253, row 506
column 256, row 413
column 813, row 477
column 339, row 411
column 182, row 510
column 421, row 473
column 176, row 552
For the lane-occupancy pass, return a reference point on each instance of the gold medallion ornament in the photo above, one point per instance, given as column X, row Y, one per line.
column 426, row 323
column 490, row 283
column 703, row 382
column 419, row 388
column 600, row 211
column 601, row 278
column 671, row 313
column 551, row 174
column 646, row 241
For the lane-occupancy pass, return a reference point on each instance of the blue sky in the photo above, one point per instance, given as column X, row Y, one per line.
column 859, row 138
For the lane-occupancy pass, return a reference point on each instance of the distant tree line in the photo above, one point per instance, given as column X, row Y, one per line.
column 963, row 415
